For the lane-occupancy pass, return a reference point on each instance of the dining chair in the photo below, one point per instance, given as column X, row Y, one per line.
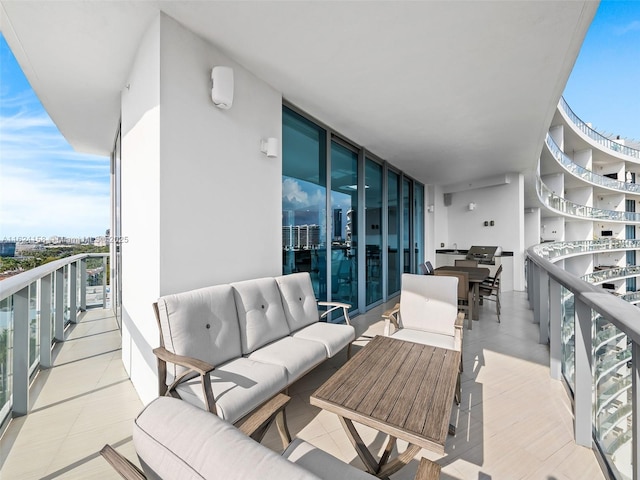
column 465, row 294
column 463, row 262
column 490, row 290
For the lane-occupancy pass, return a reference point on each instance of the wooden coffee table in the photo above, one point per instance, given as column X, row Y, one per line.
column 403, row 389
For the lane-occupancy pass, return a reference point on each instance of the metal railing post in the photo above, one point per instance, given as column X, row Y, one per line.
column 45, row 321
column 21, row 352
column 73, row 287
column 535, row 292
column 58, row 319
column 635, row 414
column 543, row 302
column 104, row 281
column 555, row 329
column 583, row 398
column 83, row 284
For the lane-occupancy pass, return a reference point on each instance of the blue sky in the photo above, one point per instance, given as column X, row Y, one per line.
column 48, row 189
column 604, row 86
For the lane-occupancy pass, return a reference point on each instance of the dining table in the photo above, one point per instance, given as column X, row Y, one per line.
column 477, row 275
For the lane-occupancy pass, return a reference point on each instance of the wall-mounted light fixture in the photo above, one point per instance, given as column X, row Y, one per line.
column 472, row 206
column 430, row 208
column 222, row 87
column 269, row 147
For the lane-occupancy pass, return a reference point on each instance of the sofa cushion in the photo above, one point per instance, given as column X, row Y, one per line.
column 429, row 303
column 333, row 336
column 296, row 355
column 238, row 386
column 298, row 300
column 321, row 463
column 176, row 440
column 260, row 313
column 202, row 324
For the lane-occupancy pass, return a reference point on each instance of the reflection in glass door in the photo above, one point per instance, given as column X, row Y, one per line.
column 418, row 224
column 393, row 239
column 373, row 223
column 344, row 232
column 304, row 207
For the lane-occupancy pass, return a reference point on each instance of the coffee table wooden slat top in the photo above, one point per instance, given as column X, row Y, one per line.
column 400, row 388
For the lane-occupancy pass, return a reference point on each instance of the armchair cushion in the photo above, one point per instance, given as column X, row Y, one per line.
column 428, row 338
column 298, row 300
column 202, row 324
column 429, row 303
column 260, row 313
column 238, row 386
column 176, row 440
column 333, row 336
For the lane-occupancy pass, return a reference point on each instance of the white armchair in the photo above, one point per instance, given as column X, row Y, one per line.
column 428, row 313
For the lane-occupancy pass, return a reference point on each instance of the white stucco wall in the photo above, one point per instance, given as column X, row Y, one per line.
column 502, row 204
column 199, row 199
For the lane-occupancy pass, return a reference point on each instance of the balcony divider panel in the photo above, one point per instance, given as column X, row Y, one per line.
column 20, row 403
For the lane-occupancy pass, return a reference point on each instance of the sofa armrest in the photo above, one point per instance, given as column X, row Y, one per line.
column 193, row 365
column 334, row 306
column 427, row 470
column 120, row 464
column 256, row 423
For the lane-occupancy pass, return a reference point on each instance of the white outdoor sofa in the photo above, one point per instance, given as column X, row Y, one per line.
column 175, row 440
column 230, row 348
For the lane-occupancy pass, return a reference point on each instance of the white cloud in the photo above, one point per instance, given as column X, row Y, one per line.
column 33, row 204
column 292, row 191
column 629, row 27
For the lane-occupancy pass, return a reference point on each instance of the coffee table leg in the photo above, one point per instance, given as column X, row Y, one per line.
column 362, row 450
column 380, row 469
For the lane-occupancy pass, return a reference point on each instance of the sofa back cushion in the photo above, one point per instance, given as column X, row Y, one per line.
column 298, row 300
column 202, row 324
column 174, row 439
column 429, row 303
column 260, row 313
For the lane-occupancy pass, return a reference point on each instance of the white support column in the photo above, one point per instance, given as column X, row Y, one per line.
column 21, row 352
column 83, row 284
column 543, row 303
column 45, row 321
column 58, row 320
column 635, row 394
column 583, row 408
column 73, row 285
column 555, row 329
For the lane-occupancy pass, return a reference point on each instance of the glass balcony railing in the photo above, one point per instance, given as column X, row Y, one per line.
column 595, row 136
column 587, row 175
column 35, row 308
column 612, row 274
column 566, row 207
column 597, row 335
column 554, row 251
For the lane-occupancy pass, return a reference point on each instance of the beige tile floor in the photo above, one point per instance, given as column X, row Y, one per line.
column 514, row 422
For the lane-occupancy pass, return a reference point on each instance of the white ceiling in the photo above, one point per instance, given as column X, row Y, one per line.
column 447, row 91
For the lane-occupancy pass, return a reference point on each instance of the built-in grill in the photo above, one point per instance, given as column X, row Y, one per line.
column 484, row 255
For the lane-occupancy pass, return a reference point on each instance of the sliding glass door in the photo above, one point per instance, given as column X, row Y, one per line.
column 304, row 204
column 373, row 228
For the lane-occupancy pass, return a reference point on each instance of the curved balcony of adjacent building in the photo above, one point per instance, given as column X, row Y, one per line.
column 612, row 274
column 556, row 251
column 581, row 173
column 610, row 145
column 567, row 208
